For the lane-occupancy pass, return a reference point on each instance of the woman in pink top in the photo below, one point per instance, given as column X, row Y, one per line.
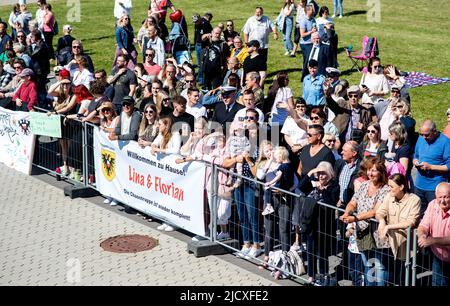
column 49, row 23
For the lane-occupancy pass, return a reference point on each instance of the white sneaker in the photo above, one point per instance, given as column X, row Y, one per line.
column 223, row 236
column 287, row 53
column 106, row 201
column 243, row 252
column 340, row 16
column 333, row 16
column 162, row 227
column 254, row 252
column 170, row 228
column 113, row 203
column 268, row 210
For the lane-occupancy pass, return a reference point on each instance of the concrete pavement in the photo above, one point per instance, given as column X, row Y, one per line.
column 49, row 239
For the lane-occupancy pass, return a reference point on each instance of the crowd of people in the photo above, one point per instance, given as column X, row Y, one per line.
column 351, row 146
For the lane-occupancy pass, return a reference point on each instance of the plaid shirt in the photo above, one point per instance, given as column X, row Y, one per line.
column 344, row 178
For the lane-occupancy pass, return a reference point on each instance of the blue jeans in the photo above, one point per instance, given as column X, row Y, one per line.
column 355, row 268
column 426, row 196
column 198, row 52
column 287, row 33
column 316, row 251
column 441, row 272
column 247, row 211
column 336, row 4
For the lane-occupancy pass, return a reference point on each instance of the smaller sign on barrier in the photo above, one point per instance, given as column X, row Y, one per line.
column 43, row 124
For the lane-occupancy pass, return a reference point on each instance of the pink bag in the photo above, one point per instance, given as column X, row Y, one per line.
column 395, row 167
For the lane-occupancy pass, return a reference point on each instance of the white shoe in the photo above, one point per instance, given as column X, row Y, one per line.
column 333, row 16
column 106, row 201
column 340, row 16
column 254, row 252
column 113, row 203
column 169, row 228
column 268, row 210
column 243, row 252
column 287, row 53
column 162, row 227
column 223, row 236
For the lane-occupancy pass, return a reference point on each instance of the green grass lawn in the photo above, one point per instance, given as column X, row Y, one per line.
column 411, row 35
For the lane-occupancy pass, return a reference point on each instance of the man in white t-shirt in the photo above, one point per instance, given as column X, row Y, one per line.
column 249, row 102
column 258, row 28
column 193, row 106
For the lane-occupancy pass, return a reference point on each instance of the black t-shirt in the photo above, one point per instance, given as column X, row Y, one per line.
column 203, row 27
column 230, row 35
column 122, row 85
column 254, row 64
column 310, row 162
column 404, row 152
column 287, row 178
column 186, row 118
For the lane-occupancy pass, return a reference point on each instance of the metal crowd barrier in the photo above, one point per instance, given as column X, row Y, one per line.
column 324, row 251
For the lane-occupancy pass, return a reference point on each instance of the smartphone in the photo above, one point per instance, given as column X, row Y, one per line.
column 364, row 86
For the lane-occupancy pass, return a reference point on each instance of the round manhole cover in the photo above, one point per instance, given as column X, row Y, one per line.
column 129, row 243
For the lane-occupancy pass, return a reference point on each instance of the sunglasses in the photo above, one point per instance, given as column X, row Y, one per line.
column 425, row 135
column 106, row 110
column 190, row 81
column 311, row 135
column 18, row 67
column 76, row 47
column 166, row 99
column 315, row 118
column 149, row 54
column 149, row 112
column 330, row 140
column 300, row 106
column 395, row 91
column 20, row 36
column 353, row 96
column 126, row 104
column 250, row 118
column 229, row 25
column 371, row 131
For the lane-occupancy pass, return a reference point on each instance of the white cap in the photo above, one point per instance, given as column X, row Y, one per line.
column 332, row 70
column 228, row 89
column 67, row 27
column 147, row 78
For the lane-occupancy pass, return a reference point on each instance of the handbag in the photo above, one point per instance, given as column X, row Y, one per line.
column 364, row 238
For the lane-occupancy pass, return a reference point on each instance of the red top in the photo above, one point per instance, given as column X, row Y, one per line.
column 27, row 92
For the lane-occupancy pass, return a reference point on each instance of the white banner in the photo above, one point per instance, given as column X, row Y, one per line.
column 155, row 185
column 16, row 140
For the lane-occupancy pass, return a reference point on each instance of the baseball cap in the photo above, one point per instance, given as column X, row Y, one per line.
column 64, row 73
column 67, row 27
column 395, row 87
column 26, row 72
column 146, row 78
column 128, row 100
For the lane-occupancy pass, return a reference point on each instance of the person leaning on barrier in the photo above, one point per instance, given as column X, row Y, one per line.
column 434, row 232
column 361, row 209
column 398, row 213
column 128, row 126
column 7, row 92
column 26, row 96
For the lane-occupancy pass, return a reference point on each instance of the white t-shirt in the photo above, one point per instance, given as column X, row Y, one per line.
column 82, row 77
column 258, row 30
column 242, row 112
column 291, row 129
column 374, row 83
column 198, row 110
column 279, row 115
column 125, row 122
column 174, row 144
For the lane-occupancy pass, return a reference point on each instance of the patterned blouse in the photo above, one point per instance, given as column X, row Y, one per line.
column 366, row 203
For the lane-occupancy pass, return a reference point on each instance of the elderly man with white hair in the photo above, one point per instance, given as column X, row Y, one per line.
column 434, row 231
column 321, row 53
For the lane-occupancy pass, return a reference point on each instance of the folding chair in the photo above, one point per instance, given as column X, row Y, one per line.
column 369, row 50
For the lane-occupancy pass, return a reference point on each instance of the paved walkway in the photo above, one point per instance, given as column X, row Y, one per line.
column 49, row 239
